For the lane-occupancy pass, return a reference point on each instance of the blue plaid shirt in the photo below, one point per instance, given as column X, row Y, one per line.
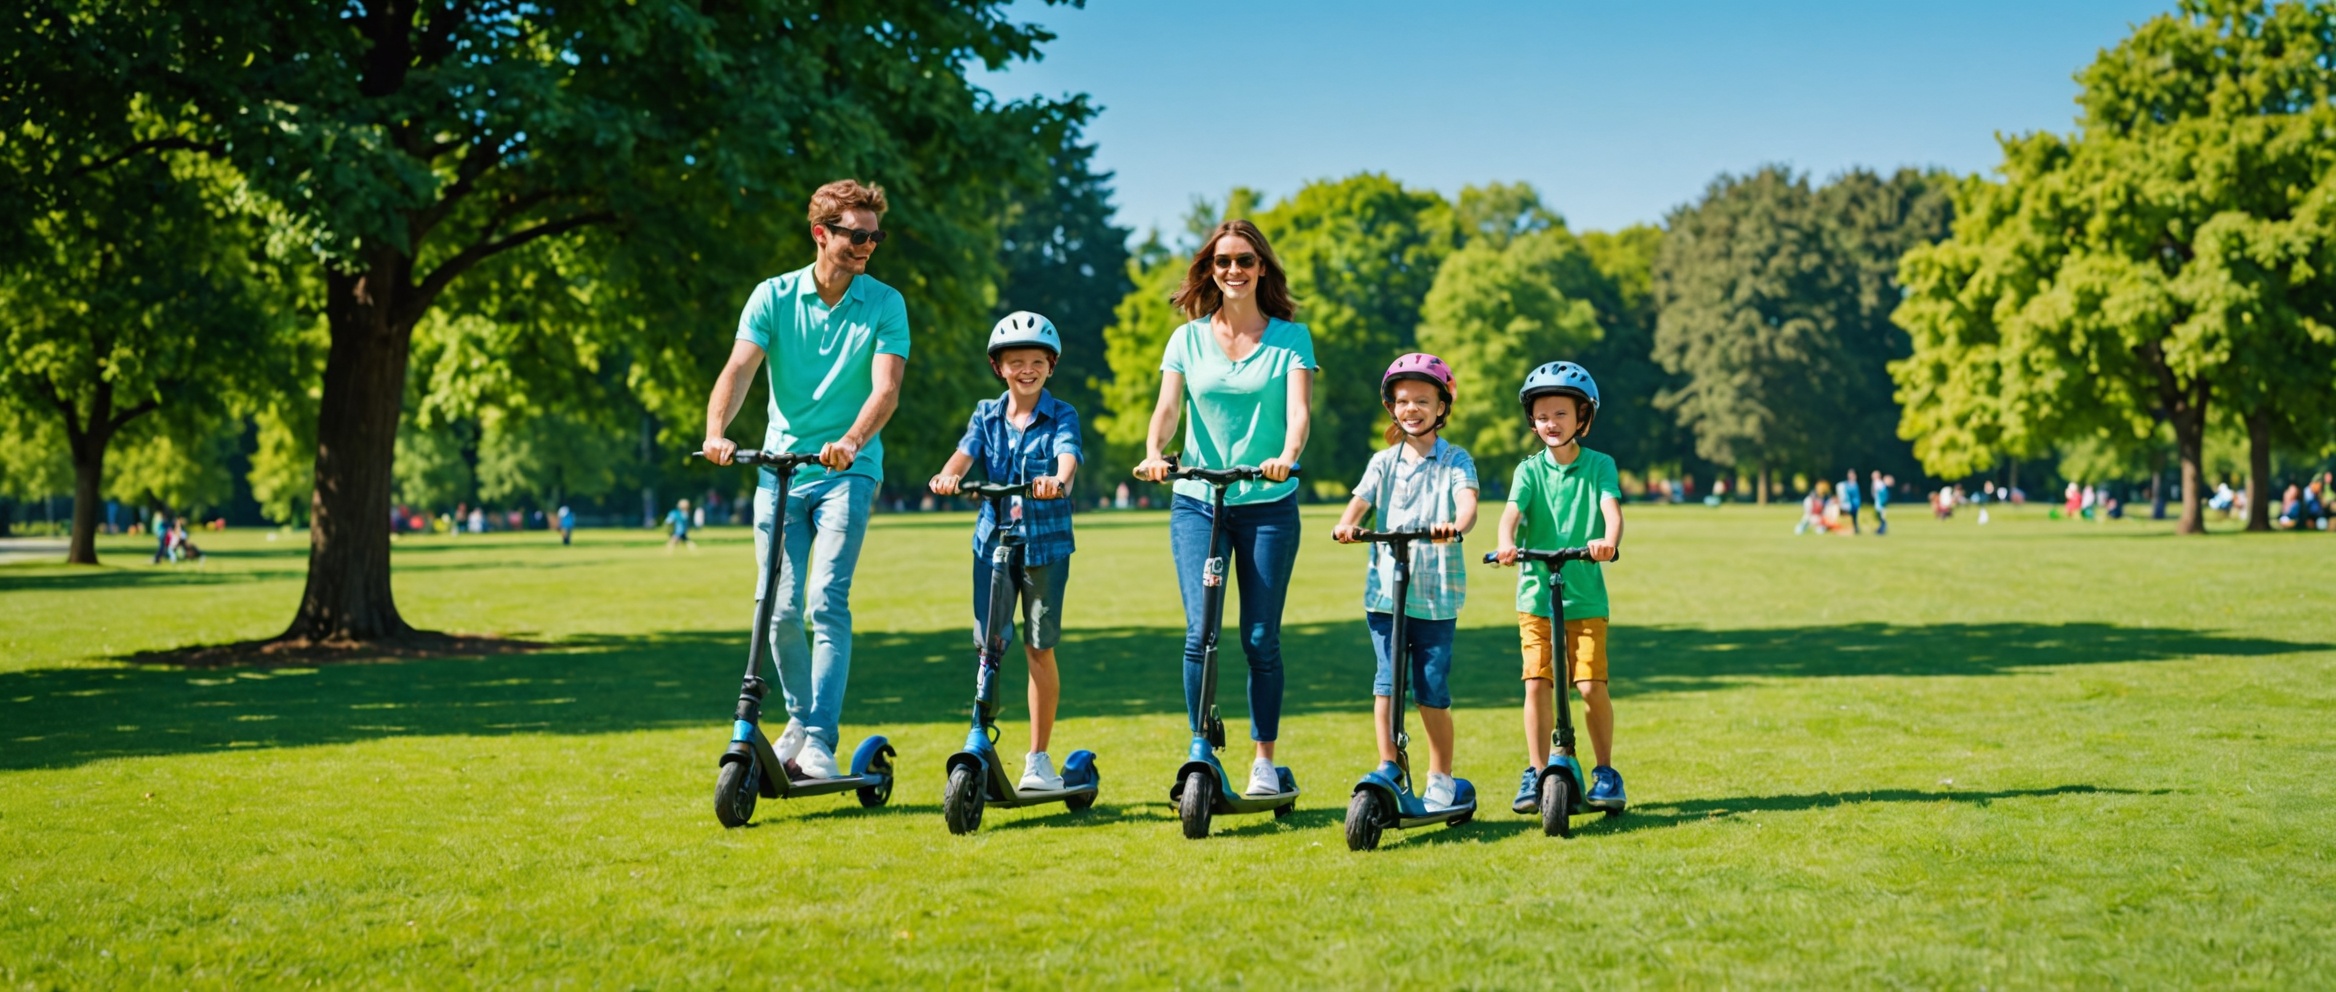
column 1009, row 454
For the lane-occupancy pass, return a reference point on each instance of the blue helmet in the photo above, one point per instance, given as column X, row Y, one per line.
column 1560, row 379
column 1023, row 329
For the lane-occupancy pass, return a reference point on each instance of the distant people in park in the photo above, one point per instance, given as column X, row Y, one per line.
column 1850, row 498
column 567, row 525
column 1418, row 482
column 1719, row 492
column 1564, row 496
column 162, row 538
column 677, row 523
column 1240, row 373
column 837, row 344
column 1942, row 503
column 1881, row 487
column 478, row 520
column 2222, row 500
column 2301, row 508
column 1813, row 508
column 181, row 548
column 1026, row 435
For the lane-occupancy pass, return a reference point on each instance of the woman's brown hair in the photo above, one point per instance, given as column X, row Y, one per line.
column 1200, row 297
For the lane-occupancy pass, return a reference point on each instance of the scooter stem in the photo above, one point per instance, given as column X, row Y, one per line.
column 1212, row 617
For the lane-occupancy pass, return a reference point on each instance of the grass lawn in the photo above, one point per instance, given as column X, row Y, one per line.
column 2028, row 754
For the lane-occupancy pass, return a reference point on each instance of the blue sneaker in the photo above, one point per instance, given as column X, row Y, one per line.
column 1529, row 794
column 1605, row 788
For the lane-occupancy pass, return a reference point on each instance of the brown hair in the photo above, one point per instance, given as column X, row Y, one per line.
column 829, row 202
column 1394, row 432
column 1200, row 297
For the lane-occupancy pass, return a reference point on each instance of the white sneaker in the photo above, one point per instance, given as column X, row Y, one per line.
column 1263, row 779
column 790, row 742
column 817, row 761
column 1441, row 790
column 1038, row 774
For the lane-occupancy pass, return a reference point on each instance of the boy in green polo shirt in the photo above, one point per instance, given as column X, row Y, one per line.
column 1564, row 496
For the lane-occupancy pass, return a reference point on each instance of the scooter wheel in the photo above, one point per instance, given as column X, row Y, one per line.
column 1084, row 800
column 1195, row 808
column 1362, row 821
column 1557, row 804
column 877, row 795
column 734, row 793
column 1284, row 809
column 961, row 805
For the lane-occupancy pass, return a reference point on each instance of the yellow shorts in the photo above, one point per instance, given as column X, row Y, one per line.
column 1585, row 642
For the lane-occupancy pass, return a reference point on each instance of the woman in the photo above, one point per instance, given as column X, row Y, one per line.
column 1240, row 375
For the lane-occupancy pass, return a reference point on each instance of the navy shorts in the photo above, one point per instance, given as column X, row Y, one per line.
column 1431, row 658
column 1040, row 590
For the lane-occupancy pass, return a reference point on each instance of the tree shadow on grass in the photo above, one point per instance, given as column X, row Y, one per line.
column 62, row 717
column 1658, row 815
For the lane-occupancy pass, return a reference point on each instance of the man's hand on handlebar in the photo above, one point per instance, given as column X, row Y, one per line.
column 1277, row 469
column 1154, row 469
column 838, row 455
column 1604, row 549
column 944, row 485
column 719, row 450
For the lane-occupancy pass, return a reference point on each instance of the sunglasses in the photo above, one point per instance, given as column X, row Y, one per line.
column 1245, row 260
column 859, row 237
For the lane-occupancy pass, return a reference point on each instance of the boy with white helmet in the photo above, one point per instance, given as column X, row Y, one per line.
column 1025, row 435
column 1564, row 496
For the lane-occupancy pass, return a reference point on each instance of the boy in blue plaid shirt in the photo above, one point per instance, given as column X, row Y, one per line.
column 1025, row 435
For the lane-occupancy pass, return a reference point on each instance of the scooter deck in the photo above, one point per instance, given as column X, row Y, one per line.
column 794, row 787
column 1040, row 797
column 1442, row 814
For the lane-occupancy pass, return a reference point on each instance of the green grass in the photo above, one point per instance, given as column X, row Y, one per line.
column 2029, row 754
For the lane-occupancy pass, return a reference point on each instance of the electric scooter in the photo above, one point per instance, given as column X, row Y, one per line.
column 1202, row 788
column 1384, row 798
column 1562, row 793
column 977, row 777
column 749, row 767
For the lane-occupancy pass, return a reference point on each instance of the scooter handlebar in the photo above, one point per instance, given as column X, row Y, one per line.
column 994, row 490
column 1394, row 535
column 773, row 459
column 1559, row 555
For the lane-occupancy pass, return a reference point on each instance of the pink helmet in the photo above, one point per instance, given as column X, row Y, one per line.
column 1417, row 365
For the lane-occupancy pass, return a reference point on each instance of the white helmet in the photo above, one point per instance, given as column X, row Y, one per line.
column 1023, row 329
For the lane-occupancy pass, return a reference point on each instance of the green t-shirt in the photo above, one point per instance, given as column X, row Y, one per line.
column 821, row 362
column 1237, row 413
column 1559, row 509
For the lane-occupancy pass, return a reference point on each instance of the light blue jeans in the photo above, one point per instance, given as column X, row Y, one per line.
column 825, row 521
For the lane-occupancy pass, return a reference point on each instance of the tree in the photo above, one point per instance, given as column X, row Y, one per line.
column 1064, row 258
column 1630, row 426
column 2174, row 250
column 135, row 299
column 419, row 143
column 1361, row 253
column 1496, row 311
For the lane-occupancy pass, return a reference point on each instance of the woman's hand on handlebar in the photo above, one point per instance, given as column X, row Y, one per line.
column 944, row 484
column 1604, row 549
column 719, row 450
column 1154, row 469
column 1047, row 487
column 1345, row 533
column 1277, row 469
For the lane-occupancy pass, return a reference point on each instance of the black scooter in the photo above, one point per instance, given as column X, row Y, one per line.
column 1384, row 798
column 749, row 767
column 1562, row 792
column 1202, row 789
column 977, row 777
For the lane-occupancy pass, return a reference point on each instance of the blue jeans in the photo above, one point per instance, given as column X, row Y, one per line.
column 825, row 521
column 1430, row 654
column 1262, row 539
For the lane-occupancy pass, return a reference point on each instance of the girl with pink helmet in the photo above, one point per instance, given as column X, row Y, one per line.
column 1418, row 482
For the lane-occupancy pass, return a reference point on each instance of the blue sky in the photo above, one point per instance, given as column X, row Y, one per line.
column 1617, row 112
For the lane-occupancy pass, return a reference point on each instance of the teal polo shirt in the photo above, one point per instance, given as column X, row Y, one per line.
column 1558, row 506
column 821, row 360
column 1237, row 413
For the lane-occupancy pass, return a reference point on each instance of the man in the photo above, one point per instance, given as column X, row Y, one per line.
column 837, row 341
column 1849, row 499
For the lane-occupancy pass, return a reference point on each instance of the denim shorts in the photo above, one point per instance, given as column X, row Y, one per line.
column 1431, row 658
column 1040, row 590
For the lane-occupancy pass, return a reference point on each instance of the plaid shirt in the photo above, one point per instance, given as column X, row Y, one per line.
column 1412, row 495
column 1009, row 454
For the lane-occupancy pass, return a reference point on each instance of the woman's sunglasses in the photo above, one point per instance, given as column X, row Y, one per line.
column 859, row 237
column 1245, row 260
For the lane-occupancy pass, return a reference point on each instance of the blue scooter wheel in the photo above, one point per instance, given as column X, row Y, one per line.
column 1197, row 807
column 1363, row 818
column 1557, row 804
column 961, row 804
column 734, row 793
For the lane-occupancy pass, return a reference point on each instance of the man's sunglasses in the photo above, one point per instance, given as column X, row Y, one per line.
column 1245, row 260
column 859, row 237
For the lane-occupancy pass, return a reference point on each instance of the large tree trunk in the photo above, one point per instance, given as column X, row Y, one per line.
column 348, row 596
column 2190, row 443
column 2259, row 470
column 87, row 442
